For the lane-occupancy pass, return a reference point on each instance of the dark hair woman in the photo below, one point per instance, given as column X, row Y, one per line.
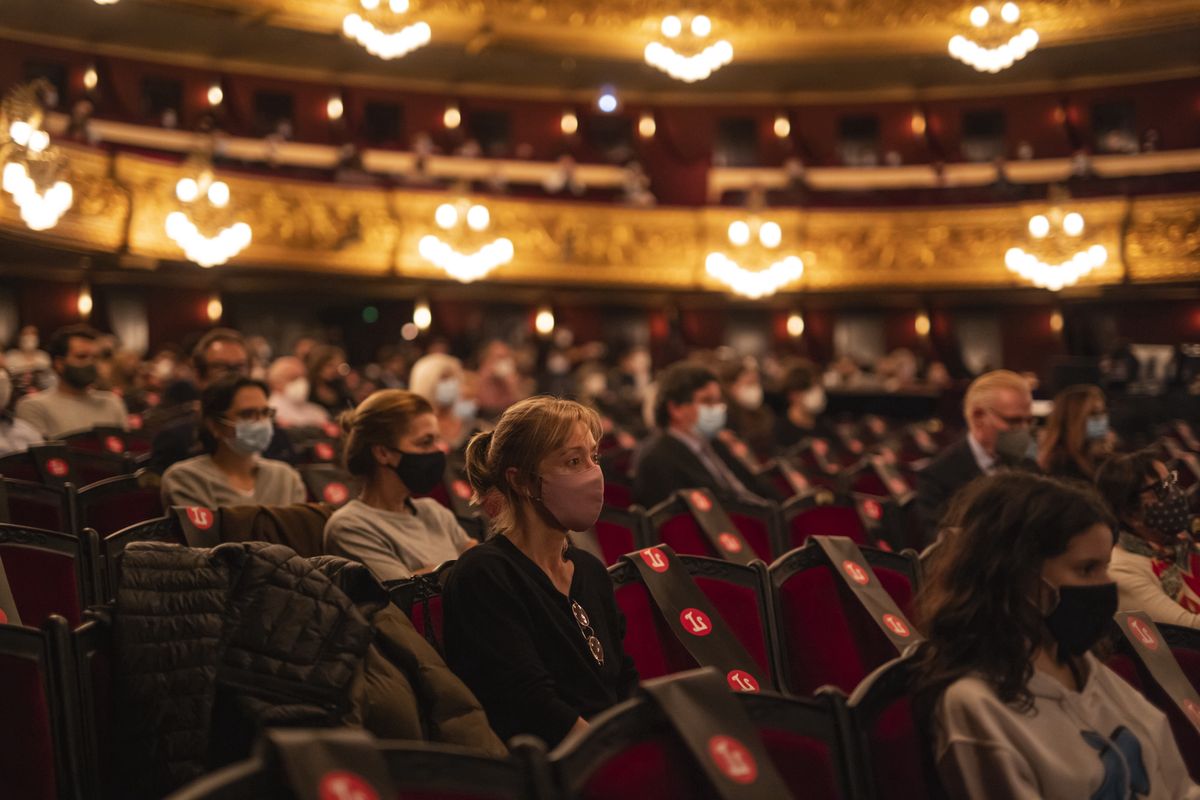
column 1076, row 437
column 1017, row 707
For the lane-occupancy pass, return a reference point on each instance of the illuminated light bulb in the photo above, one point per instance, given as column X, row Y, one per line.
column 215, row 94
column 20, row 132
column 646, row 126
column 921, row 324
column 446, row 216
column 452, row 117
column 84, row 303
column 369, row 5
column 38, row 141
column 335, row 108
column 1039, row 226
column 218, row 194
column 478, row 218
column 351, row 25
column 607, row 102
column 90, row 78
column 569, row 123
column 14, row 176
column 795, row 326
column 1073, row 224
column 422, row 316
column 979, row 16
column 917, row 123
column 1010, row 13
column 1056, row 321
column 544, row 322
column 398, row 6
column 671, row 26
column 770, row 235
column 783, row 126
column 701, row 25
column 214, row 309
column 739, row 233
column 187, row 190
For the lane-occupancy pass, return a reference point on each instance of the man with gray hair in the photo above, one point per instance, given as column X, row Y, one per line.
column 288, row 380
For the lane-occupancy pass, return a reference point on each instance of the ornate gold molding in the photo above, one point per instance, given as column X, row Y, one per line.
column 343, row 230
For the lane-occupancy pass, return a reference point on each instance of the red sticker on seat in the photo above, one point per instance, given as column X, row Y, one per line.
column 336, row 493
column 695, row 622
column 741, row 681
column 896, row 625
column 733, row 759
column 332, row 430
column 3, row 617
column 729, row 542
column 56, row 467
column 134, row 421
column 345, row 786
column 202, row 518
column 462, row 489
column 656, row 559
column 856, row 572
column 1143, row 632
column 820, row 447
column 856, row 446
column 323, row 451
column 114, row 444
column 872, row 509
column 700, row 500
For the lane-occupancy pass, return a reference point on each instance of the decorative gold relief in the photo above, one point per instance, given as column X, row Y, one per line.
column 1163, row 241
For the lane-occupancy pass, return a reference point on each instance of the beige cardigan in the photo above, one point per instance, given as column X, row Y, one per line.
column 1140, row 590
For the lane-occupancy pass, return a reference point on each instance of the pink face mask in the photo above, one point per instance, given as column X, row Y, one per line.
column 574, row 500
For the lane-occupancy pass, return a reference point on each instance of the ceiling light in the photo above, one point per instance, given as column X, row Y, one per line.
column 607, row 102
column 770, row 235
column 754, row 284
column 84, row 302
column 187, row 190
column 215, row 95
column 1054, row 276
column 218, row 194
column 422, row 316
column 446, row 216
column 671, row 26
column 795, row 326
column 1010, row 13
column 1073, row 224
column 701, row 26
column 335, row 108
column 921, row 324
column 1056, row 321
column 215, row 308
column 699, row 59
column 569, row 123
column 647, row 126
column 544, row 322
column 739, row 233
column 452, row 117
column 979, row 16
column 478, row 218
column 783, row 126
column 90, row 78
column 1039, row 226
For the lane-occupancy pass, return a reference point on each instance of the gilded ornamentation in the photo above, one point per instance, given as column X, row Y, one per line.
column 1163, row 242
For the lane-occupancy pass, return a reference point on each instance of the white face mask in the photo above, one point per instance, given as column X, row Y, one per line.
column 446, row 392
column 504, row 368
column 814, row 400
column 296, row 391
column 750, row 397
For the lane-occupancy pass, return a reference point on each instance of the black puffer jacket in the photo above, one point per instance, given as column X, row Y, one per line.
column 212, row 645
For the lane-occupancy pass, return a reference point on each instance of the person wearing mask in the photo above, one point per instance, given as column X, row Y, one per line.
column 998, row 408
column 1156, row 564
column 289, row 395
column 393, row 445
column 235, row 429
column 531, row 624
column 219, row 354
column 1014, row 703
column 73, row 404
column 327, row 370
column 15, row 434
column 27, row 364
column 439, row 378
column 749, row 418
column 499, row 379
column 1075, row 438
column 806, row 400
column 687, row 453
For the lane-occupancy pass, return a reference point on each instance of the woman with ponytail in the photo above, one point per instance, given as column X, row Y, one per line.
column 531, row 624
column 393, row 445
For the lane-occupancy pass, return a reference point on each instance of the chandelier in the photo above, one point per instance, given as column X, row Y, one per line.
column 468, row 224
column 705, row 57
column 760, row 239
column 1003, row 45
column 381, row 29
column 204, row 203
column 1057, row 236
column 34, row 172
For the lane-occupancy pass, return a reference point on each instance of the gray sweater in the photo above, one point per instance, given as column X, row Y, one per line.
column 198, row 482
column 395, row 545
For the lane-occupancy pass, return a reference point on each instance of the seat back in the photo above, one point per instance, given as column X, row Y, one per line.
column 820, row 513
column 632, row 751
column 327, row 483
column 420, row 597
column 116, row 503
column 49, row 572
column 826, row 637
column 672, row 523
column 90, row 466
column 619, row 531
column 92, row 662
column 161, row 529
column 107, row 439
column 47, row 463
column 1185, row 646
column 36, row 505
column 738, row 593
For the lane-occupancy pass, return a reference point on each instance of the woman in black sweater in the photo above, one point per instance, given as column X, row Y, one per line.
column 531, row 624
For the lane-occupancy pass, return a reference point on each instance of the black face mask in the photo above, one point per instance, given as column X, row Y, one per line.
column 1169, row 516
column 1081, row 617
column 421, row 471
column 79, row 377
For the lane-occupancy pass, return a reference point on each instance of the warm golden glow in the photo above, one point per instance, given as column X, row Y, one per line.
column 795, row 325
column 422, row 316
column 214, row 309
column 918, row 123
column 215, row 94
column 921, row 324
column 783, row 126
column 1056, row 321
column 544, row 322
column 334, row 108
column 569, row 123
column 646, row 126
column 452, row 117
column 90, row 78
column 84, row 302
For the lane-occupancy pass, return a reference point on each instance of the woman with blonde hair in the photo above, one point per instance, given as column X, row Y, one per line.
column 531, row 624
column 1075, row 439
column 440, row 379
column 393, row 445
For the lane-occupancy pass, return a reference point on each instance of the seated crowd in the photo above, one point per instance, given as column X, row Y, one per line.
column 1036, row 532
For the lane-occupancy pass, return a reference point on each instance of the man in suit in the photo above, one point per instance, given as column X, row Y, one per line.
column 998, row 409
column 689, row 411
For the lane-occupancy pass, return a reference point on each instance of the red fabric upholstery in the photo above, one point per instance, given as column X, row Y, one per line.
column 1186, row 735
column 685, row 537
column 21, row 466
column 44, row 512
column 825, row 521
column 1124, row 666
column 739, row 607
column 617, row 495
column 417, row 794
column 417, row 615
column 114, row 512
column 898, row 755
column 648, row 640
column 868, row 482
column 828, row 637
column 43, row 582
column 615, row 540
column 756, row 532
column 439, row 493
column 802, row 762
column 26, row 736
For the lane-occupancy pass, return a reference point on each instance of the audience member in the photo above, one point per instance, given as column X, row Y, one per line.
column 26, row 358
column 749, row 417
column 531, row 624
column 499, row 379
column 1076, row 436
column 439, row 379
column 1155, row 563
column 1016, row 705
column 289, row 395
column 15, row 434
column 72, row 404
column 686, row 453
column 393, row 445
column 998, row 411
column 327, row 370
column 805, row 397
column 235, row 430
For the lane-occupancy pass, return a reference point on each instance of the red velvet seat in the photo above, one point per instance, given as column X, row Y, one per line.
column 116, row 503
column 631, row 751
column 826, row 637
column 618, row 485
column 672, row 523
column 36, row 505
column 619, row 531
column 91, row 467
column 92, row 662
column 420, row 597
column 820, row 513
column 49, row 572
column 739, row 594
column 103, row 439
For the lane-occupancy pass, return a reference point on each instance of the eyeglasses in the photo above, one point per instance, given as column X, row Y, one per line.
column 227, row 368
column 1162, row 489
column 589, row 635
column 251, row 415
column 1014, row 421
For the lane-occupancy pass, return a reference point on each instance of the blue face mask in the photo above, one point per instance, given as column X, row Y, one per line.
column 711, row 420
column 1097, row 427
column 251, row 438
column 446, row 392
column 466, row 409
